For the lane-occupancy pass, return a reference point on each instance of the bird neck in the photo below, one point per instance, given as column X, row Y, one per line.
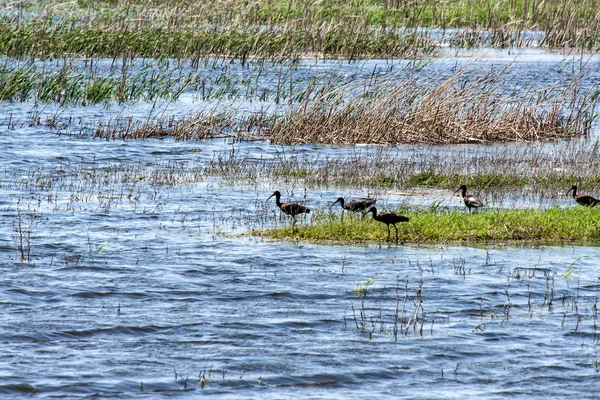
column 464, row 192
column 574, row 191
column 342, row 202
column 278, row 200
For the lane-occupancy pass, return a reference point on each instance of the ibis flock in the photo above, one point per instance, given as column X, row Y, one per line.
column 366, row 205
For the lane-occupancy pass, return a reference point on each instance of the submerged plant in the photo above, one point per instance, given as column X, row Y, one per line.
column 362, row 288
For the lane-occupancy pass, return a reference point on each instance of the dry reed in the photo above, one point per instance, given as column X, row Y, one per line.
column 468, row 107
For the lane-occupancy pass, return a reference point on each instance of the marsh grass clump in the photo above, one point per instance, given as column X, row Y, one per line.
column 98, row 38
column 468, row 107
column 442, row 225
column 201, row 125
column 70, row 87
column 290, row 28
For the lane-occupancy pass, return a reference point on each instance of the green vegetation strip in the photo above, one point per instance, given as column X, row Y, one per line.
column 325, row 24
column 575, row 224
column 48, row 41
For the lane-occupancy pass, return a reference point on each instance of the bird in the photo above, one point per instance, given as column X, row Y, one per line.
column 289, row 208
column 388, row 218
column 470, row 200
column 583, row 199
column 355, row 205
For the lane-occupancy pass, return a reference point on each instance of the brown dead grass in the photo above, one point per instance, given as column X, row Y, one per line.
column 465, row 108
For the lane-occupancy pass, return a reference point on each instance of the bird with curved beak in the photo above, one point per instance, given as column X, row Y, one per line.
column 583, row 199
column 289, row 208
column 355, row 205
column 388, row 218
column 470, row 200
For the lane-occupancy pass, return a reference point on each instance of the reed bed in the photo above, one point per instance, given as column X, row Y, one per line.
column 71, row 82
column 69, row 87
column 48, row 40
column 458, row 13
column 290, row 29
column 558, row 225
column 468, row 107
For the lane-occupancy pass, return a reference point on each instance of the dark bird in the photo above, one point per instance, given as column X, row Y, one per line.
column 355, row 205
column 289, row 208
column 470, row 200
column 583, row 199
column 388, row 218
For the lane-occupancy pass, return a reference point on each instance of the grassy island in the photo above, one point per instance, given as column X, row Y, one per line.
column 574, row 224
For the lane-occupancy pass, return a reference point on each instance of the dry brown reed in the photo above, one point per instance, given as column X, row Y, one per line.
column 468, row 107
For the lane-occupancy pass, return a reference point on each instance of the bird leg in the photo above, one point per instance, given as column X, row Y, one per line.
column 396, row 233
column 388, row 239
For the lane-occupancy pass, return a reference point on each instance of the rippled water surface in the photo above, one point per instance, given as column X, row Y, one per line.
column 129, row 273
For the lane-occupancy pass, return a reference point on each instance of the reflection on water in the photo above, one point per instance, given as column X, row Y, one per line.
column 125, row 274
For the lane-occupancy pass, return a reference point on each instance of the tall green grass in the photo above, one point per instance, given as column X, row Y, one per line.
column 66, row 86
column 541, row 14
column 288, row 29
column 51, row 40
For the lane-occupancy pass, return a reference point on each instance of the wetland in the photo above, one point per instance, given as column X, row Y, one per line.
column 140, row 143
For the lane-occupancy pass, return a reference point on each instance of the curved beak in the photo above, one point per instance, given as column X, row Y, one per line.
column 570, row 190
column 457, row 190
column 334, row 203
column 270, row 197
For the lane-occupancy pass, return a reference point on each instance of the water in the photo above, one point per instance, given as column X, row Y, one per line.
column 138, row 274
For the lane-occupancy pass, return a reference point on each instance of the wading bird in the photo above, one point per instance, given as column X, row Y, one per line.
column 355, row 205
column 289, row 208
column 470, row 200
column 388, row 218
column 583, row 199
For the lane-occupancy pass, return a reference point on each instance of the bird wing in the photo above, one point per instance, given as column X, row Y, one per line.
column 391, row 218
column 293, row 209
column 472, row 201
column 586, row 200
column 360, row 204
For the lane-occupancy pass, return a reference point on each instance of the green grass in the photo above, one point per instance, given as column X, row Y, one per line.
column 455, row 13
column 286, row 29
column 67, row 86
column 554, row 225
column 495, row 180
column 54, row 41
column 390, row 13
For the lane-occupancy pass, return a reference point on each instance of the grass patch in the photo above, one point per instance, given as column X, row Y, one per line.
column 287, row 26
column 494, row 180
column 289, row 29
column 274, row 43
column 67, row 86
column 574, row 224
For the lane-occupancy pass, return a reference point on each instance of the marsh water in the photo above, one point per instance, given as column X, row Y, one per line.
column 129, row 272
